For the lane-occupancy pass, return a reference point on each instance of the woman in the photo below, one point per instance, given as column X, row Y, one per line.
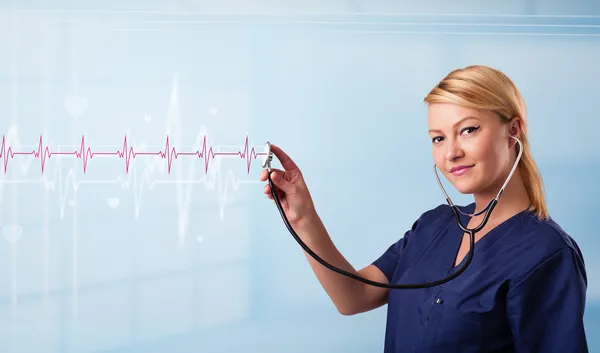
column 525, row 288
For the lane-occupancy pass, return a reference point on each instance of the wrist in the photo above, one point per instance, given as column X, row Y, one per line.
column 308, row 224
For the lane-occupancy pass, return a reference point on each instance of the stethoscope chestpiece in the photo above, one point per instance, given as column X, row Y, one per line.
column 268, row 156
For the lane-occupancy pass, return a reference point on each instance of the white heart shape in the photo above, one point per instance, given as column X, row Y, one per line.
column 12, row 233
column 147, row 118
column 113, row 202
column 76, row 105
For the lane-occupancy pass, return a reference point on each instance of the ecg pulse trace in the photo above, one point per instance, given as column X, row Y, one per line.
column 128, row 153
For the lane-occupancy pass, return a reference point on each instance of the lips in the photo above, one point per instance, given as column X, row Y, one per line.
column 461, row 169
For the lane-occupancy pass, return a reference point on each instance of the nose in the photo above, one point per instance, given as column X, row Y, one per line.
column 453, row 150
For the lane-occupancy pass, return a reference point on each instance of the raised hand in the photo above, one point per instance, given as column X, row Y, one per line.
column 290, row 187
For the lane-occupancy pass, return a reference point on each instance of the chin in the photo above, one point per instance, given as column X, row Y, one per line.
column 466, row 186
column 466, row 191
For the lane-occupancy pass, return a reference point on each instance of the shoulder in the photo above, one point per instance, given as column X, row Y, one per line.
column 547, row 290
column 542, row 244
column 429, row 224
column 543, row 238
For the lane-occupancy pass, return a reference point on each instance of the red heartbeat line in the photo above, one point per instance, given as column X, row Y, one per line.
column 128, row 153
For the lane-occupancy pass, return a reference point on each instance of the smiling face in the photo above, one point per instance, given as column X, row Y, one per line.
column 471, row 147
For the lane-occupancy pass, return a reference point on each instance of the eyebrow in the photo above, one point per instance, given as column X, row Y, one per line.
column 457, row 123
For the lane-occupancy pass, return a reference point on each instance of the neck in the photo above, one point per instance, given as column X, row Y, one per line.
column 513, row 200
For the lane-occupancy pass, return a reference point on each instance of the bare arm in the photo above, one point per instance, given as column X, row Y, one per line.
column 348, row 295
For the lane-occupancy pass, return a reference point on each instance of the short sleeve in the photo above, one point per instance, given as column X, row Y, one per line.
column 545, row 309
column 388, row 261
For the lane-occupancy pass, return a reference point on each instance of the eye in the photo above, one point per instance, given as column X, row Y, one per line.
column 437, row 139
column 470, row 129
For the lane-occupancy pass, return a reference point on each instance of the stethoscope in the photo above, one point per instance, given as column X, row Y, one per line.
column 268, row 157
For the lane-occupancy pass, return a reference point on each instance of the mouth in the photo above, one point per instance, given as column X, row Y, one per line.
column 460, row 170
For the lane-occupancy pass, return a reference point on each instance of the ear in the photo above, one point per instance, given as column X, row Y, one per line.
column 515, row 129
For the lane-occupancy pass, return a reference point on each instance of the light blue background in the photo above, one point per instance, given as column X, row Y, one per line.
column 196, row 262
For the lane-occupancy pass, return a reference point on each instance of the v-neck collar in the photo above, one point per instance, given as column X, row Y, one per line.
column 481, row 245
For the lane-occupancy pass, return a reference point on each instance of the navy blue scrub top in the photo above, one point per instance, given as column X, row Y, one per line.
column 524, row 291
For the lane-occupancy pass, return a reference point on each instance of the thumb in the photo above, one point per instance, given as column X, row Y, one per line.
column 280, row 182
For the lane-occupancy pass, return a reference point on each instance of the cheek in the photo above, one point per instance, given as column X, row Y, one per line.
column 476, row 150
column 488, row 156
column 482, row 154
column 438, row 157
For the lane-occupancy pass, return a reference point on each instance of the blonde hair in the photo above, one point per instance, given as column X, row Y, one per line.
column 482, row 87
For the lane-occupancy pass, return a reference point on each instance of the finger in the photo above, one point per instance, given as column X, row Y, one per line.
column 279, row 196
column 267, row 190
column 269, row 194
column 284, row 159
column 281, row 172
column 263, row 175
column 280, row 182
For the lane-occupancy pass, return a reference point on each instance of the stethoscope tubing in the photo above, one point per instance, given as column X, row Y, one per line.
column 488, row 211
column 455, row 274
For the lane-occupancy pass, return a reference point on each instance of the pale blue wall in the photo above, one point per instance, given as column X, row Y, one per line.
column 85, row 276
